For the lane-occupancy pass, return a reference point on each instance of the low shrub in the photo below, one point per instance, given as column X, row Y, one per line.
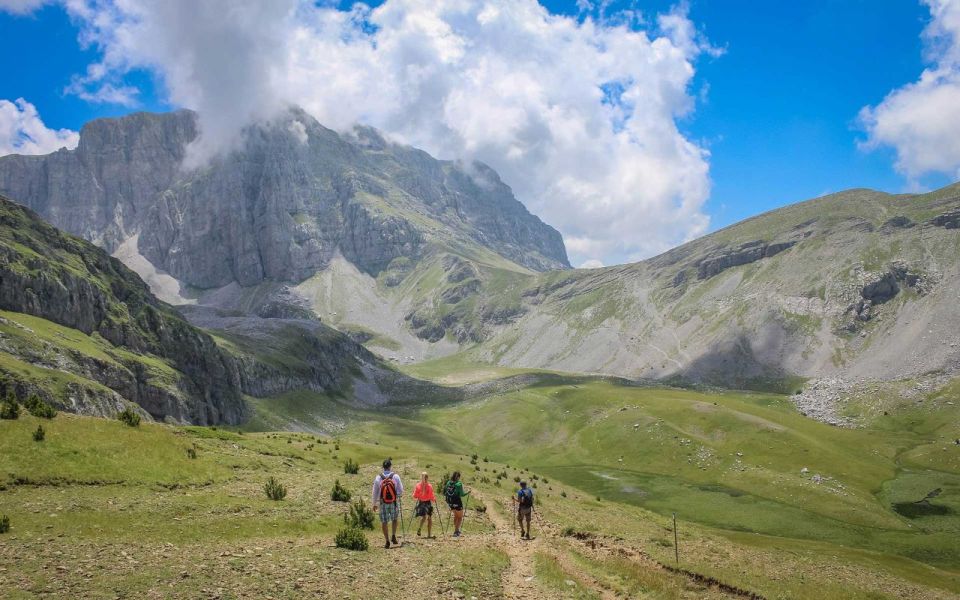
column 480, row 507
column 274, row 489
column 39, row 408
column 4, row 524
column 351, row 467
column 39, row 435
column 339, row 493
column 360, row 517
column 351, row 538
column 9, row 410
column 192, row 453
column 128, row 416
column 663, row 543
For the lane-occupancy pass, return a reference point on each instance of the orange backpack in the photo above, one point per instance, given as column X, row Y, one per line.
column 388, row 489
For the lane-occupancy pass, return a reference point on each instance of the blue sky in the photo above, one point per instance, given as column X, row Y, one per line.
column 777, row 110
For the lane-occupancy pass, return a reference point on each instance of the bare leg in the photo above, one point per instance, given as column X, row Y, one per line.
column 429, row 525
column 386, row 535
column 457, row 519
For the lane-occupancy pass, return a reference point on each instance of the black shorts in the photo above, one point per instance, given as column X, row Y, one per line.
column 423, row 509
column 457, row 506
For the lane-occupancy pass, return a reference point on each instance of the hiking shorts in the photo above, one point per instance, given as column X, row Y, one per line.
column 525, row 511
column 423, row 509
column 457, row 506
column 388, row 513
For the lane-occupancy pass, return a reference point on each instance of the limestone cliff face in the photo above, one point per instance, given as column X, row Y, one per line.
column 69, row 282
column 279, row 208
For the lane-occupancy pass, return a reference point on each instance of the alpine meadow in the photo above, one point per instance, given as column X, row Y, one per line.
column 256, row 343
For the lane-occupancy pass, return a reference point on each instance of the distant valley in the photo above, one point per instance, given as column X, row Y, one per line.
column 415, row 259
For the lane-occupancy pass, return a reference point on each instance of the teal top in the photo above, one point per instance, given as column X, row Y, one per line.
column 458, row 486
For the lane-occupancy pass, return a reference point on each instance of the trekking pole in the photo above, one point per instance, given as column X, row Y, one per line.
column 440, row 517
column 400, row 508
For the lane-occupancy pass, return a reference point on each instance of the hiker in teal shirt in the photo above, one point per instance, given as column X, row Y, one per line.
column 454, row 493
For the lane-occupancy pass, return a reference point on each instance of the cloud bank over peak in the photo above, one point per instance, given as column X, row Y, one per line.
column 578, row 114
column 22, row 131
column 920, row 120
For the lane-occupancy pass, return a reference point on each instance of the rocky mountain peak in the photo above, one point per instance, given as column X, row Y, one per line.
column 279, row 208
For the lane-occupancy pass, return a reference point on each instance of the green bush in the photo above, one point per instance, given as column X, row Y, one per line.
column 351, row 538
column 360, row 516
column 274, row 490
column 351, row 467
column 129, row 417
column 4, row 524
column 10, row 410
column 192, row 453
column 39, row 435
column 39, row 408
column 480, row 507
column 339, row 493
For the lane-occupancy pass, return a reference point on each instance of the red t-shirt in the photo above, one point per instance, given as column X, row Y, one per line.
column 425, row 495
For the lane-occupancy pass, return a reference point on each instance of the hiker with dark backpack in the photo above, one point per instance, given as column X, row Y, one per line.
column 524, row 502
column 454, row 493
column 387, row 490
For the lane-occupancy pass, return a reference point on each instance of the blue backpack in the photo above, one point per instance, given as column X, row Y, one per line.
column 526, row 497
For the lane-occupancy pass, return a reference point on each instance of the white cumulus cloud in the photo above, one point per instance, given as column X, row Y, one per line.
column 921, row 120
column 21, row 7
column 578, row 114
column 22, row 131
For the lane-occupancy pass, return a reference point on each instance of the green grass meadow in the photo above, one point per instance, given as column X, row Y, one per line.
column 767, row 500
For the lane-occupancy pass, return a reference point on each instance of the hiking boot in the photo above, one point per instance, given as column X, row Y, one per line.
column 387, row 545
column 456, row 534
column 394, row 540
column 418, row 533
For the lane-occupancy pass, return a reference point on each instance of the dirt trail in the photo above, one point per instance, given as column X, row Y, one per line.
column 518, row 578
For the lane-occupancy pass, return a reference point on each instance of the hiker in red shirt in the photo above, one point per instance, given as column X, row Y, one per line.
column 423, row 494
